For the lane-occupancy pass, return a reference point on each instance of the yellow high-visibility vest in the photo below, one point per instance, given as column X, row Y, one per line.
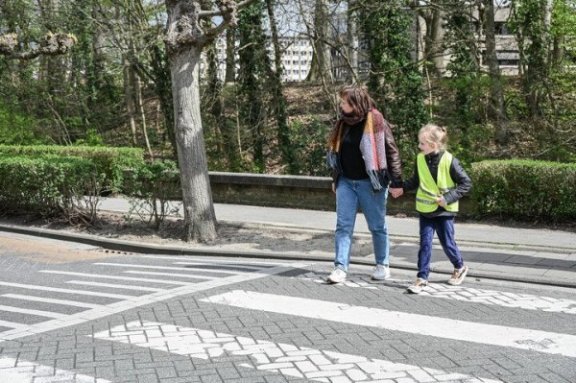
column 428, row 190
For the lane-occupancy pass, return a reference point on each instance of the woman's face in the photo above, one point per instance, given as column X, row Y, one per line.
column 345, row 106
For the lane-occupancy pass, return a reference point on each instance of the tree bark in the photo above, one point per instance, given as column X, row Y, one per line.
column 496, row 107
column 322, row 61
column 353, row 42
column 199, row 216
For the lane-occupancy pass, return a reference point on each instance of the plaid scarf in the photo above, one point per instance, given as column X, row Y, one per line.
column 372, row 146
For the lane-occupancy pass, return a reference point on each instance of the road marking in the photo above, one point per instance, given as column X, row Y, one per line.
column 169, row 274
column 116, row 286
column 162, row 267
column 65, row 291
column 286, row 359
column 241, row 268
column 4, row 323
column 526, row 339
column 47, row 314
column 470, row 294
column 260, row 263
column 134, row 301
column 18, row 371
column 122, row 278
column 51, row 300
column 500, row 298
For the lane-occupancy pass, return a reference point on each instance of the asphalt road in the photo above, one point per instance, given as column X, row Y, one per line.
column 77, row 313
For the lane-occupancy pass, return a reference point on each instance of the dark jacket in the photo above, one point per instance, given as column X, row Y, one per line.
column 458, row 175
column 390, row 176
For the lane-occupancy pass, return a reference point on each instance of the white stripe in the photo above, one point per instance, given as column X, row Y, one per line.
column 115, row 286
column 161, row 267
column 535, row 340
column 41, row 313
column 122, row 278
column 228, row 265
column 136, row 301
column 4, row 323
column 179, row 275
column 50, row 300
column 219, row 260
column 286, row 359
column 66, row 291
column 18, row 371
column 470, row 294
column 499, row 298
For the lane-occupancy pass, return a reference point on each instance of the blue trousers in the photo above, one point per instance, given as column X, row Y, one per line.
column 351, row 194
column 444, row 226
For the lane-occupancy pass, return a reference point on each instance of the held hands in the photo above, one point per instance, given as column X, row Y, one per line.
column 441, row 201
column 396, row 192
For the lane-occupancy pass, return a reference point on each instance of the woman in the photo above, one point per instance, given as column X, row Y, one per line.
column 365, row 161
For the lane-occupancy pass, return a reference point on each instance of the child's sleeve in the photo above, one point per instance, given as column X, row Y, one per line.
column 411, row 183
column 462, row 181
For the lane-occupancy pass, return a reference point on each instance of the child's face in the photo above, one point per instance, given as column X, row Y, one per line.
column 345, row 106
column 425, row 146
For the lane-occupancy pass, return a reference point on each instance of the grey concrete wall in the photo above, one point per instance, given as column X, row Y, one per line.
column 301, row 192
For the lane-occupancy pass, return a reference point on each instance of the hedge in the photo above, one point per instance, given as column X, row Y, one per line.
column 109, row 161
column 525, row 190
column 48, row 186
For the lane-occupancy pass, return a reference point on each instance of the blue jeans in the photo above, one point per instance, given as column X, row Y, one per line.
column 444, row 226
column 351, row 194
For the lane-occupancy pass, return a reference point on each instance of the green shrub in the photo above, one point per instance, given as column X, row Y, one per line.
column 109, row 162
column 48, row 186
column 523, row 189
column 151, row 186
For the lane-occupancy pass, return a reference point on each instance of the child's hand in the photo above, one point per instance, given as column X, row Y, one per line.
column 396, row 192
column 441, row 201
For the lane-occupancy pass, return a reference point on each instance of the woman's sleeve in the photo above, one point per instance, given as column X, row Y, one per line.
column 393, row 161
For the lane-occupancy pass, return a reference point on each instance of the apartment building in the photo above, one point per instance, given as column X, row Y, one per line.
column 297, row 55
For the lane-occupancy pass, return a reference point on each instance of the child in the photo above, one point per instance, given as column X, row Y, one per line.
column 441, row 182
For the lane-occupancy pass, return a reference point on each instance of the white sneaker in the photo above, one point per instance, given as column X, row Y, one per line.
column 418, row 286
column 337, row 276
column 381, row 273
column 458, row 276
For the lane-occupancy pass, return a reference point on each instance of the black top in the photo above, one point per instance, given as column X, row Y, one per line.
column 353, row 166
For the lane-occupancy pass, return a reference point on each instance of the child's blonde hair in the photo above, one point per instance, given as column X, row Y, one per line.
column 434, row 134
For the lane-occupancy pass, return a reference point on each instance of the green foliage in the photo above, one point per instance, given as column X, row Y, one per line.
column 395, row 82
column 254, row 65
column 17, row 128
column 109, row 162
column 309, row 144
column 92, row 139
column 525, row 190
column 152, row 185
column 46, row 185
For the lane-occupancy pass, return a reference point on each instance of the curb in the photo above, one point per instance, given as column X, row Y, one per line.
column 134, row 247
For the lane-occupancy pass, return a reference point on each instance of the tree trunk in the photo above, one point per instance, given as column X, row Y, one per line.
column 496, row 107
column 199, row 216
column 279, row 101
column 129, row 99
column 230, row 76
column 322, row 62
column 353, row 42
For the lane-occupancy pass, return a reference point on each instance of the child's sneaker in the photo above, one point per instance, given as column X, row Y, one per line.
column 337, row 276
column 381, row 273
column 458, row 276
column 418, row 286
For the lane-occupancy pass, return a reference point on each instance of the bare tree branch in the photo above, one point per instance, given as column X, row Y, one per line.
column 52, row 44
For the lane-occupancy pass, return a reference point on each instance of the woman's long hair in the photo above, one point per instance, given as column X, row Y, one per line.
column 361, row 104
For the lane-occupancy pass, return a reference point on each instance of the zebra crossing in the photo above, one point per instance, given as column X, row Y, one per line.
column 104, row 288
column 289, row 299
